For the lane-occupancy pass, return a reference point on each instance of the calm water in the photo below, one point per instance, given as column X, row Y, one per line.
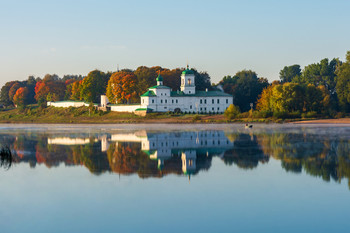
column 171, row 178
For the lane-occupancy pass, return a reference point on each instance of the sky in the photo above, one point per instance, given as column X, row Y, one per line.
column 220, row 37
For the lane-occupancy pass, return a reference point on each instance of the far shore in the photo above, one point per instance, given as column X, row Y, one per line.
column 325, row 121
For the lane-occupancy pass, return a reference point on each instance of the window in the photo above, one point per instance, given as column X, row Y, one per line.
column 218, row 108
column 218, row 101
column 189, row 81
column 212, row 101
column 200, row 101
column 152, row 101
column 205, row 109
column 212, row 109
column 227, row 101
column 190, row 162
column 176, row 100
column 205, row 101
column 166, row 101
column 172, row 101
column 189, row 92
column 161, row 93
column 201, row 109
column 164, row 93
column 161, row 101
column 190, row 106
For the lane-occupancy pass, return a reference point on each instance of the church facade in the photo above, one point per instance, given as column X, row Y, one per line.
column 161, row 98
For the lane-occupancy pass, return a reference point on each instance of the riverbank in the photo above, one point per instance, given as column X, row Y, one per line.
column 83, row 115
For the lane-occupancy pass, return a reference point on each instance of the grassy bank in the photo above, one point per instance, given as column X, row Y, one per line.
column 33, row 114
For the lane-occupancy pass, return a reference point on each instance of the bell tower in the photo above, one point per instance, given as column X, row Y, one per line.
column 187, row 82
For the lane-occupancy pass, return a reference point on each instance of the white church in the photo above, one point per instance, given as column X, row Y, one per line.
column 161, row 98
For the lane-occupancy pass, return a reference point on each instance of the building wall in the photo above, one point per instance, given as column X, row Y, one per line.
column 187, row 103
column 67, row 104
column 125, row 108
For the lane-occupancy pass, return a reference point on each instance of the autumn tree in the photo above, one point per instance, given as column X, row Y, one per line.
column 122, row 88
column 13, row 90
column 51, row 86
column 21, row 97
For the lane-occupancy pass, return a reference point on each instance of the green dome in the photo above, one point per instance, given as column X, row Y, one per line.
column 187, row 71
column 159, row 78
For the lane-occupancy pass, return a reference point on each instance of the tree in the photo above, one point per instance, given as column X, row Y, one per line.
column 245, row 87
column 52, row 85
column 122, row 88
column 343, row 84
column 146, row 77
column 202, row 80
column 94, row 85
column 21, row 97
column 13, row 90
column 289, row 72
column 232, row 112
column 4, row 96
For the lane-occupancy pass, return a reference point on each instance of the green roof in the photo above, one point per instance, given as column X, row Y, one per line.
column 159, row 87
column 149, row 93
column 144, row 109
column 200, row 94
column 187, row 71
column 159, row 78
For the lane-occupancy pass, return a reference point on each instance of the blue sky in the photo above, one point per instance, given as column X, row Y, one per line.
column 220, row 37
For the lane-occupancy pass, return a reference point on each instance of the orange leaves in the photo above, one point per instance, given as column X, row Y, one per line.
column 122, row 87
column 21, row 96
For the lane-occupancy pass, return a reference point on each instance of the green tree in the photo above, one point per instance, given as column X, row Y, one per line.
column 343, row 84
column 245, row 87
column 4, row 96
column 289, row 72
column 94, row 85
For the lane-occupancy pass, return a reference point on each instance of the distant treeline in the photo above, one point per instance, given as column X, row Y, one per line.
column 321, row 88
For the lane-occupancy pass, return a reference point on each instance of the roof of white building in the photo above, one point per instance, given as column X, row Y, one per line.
column 200, row 94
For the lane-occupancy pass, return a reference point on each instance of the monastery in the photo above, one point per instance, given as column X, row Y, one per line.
column 161, row 98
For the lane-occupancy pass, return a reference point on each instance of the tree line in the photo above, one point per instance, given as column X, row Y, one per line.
column 123, row 86
column 322, row 88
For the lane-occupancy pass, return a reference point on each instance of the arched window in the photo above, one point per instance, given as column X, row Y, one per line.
column 189, row 81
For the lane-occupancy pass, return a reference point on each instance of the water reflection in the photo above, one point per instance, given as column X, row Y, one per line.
column 5, row 157
column 157, row 154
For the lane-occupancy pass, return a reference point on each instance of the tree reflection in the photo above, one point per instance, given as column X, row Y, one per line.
column 321, row 156
column 246, row 152
column 5, row 157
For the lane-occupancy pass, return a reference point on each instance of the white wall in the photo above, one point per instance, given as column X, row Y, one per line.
column 67, row 104
column 125, row 108
column 167, row 103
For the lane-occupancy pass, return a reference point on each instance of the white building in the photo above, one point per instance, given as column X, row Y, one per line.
column 160, row 98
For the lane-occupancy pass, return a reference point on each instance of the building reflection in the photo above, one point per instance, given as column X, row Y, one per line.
column 157, row 154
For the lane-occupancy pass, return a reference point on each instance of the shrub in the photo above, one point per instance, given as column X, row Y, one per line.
column 196, row 118
column 311, row 114
column 280, row 115
column 232, row 112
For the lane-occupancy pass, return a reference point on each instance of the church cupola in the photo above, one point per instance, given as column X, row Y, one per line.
column 159, row 80
column 187, row 82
